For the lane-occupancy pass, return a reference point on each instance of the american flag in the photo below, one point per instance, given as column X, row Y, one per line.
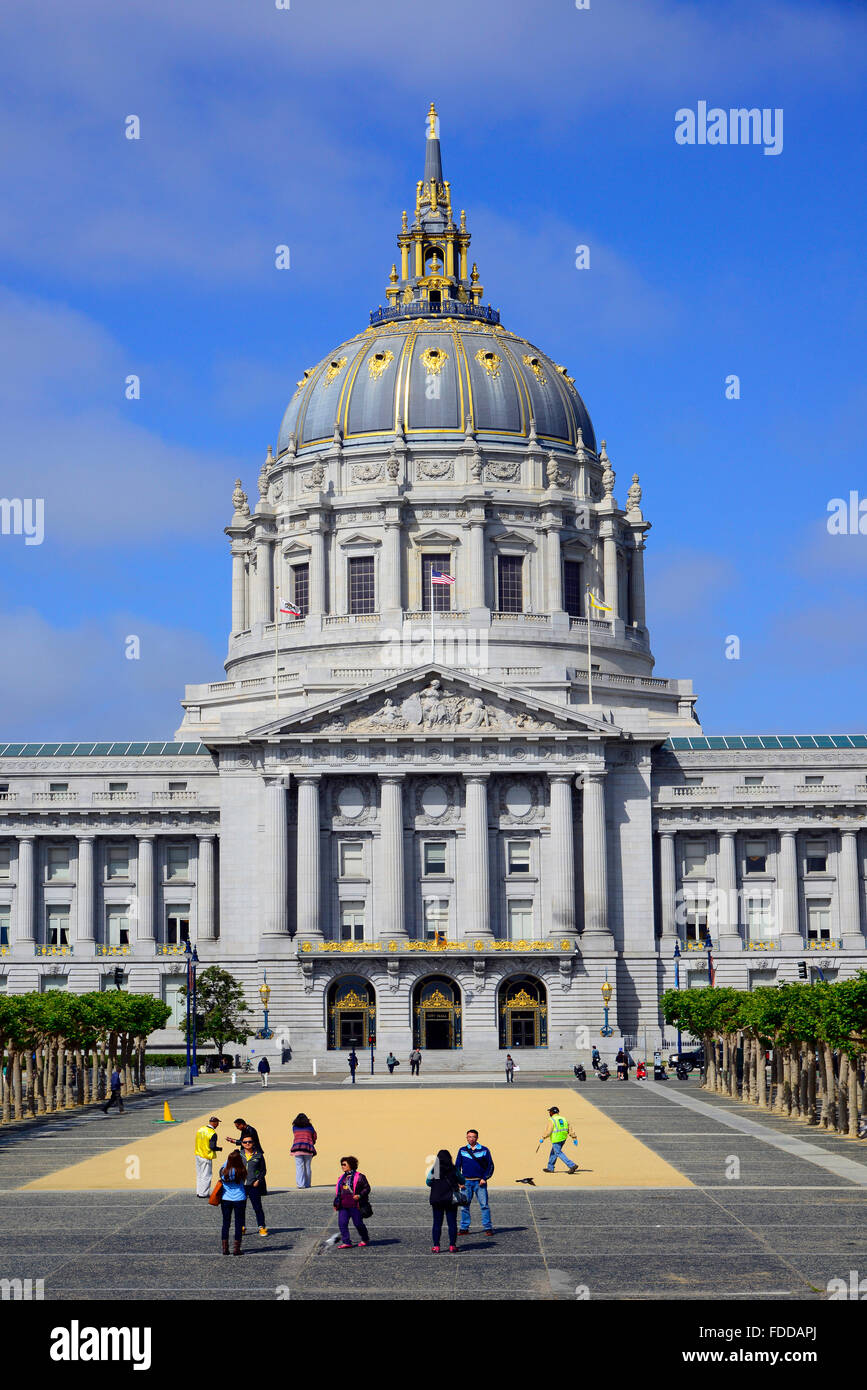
column 440, row 577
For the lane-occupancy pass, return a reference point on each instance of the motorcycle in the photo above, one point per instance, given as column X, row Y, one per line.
column 580, row 1073
column 682, row 1072
column 602, row 1071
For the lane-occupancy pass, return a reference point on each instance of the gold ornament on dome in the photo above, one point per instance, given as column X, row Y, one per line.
column 304, row 379
column 377, row 363
column 407, row 296
column 565, row 375
column 433, row 360
column 535, row 367
column 333, row 368
column 490, row 361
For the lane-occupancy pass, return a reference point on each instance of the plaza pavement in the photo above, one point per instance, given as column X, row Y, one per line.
column 780, row 1230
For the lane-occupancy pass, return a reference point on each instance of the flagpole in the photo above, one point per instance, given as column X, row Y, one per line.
column 589, row 668
column 432, row 647
column 276, row 642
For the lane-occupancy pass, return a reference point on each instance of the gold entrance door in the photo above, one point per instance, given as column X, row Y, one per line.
column 437, row 1029
column 523, row 1015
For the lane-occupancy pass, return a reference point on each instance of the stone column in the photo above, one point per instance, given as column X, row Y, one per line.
column 477, row 564
column 26, row 916
column 276, row 866
column 391, row 905
column 787, row 893
column 555, row 570
column 84, row 891
column 597, row 936
column 239, row 608
column 562, row 857
column 262, row 590
column 144, row 931
column 667, row 884
column 205, row 923
column 636, row 583
column 612, row 594
column 391, row 568
column 317, row 572
column 477, row 893
column 850, row 892
column 728, row 932
column 308, row 878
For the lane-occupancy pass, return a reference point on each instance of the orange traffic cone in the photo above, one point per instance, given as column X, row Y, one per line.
column 168, row 1117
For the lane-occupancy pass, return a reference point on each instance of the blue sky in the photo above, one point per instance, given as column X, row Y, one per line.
column 305, row 126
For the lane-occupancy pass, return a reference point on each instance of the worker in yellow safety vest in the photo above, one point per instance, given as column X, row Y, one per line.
column 558, row 1131
column 206, row 1150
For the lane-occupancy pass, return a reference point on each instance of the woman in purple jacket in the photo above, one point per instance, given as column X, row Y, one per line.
column 304, row 1149
column 351, row 1195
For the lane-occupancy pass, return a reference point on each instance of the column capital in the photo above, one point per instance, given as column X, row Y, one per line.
column 476, row 777
column 87, row 838
column 304, row 779
column 206, row 837
column 559, row 775
column 391, row 777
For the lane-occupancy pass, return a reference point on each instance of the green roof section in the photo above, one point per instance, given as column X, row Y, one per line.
column 738, row 742
column 103, row 750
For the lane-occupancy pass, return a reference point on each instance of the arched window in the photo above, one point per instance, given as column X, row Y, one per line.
column 523, row 1010
column 351, row 1013
column 436, row 1014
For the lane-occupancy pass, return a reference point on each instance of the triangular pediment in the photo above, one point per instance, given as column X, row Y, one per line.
column 436, row 700
column 436, row 538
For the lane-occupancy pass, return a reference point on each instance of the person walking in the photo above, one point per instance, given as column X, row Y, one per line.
column 116, row 1097
column 558, row 1131
column 304, row 1149
column 233, row 1199
column 206, row 1150
column 391, row 1062
column 351, row 1197
column 510, row 1069
column 353, row 1064
column 474, row 1165
column 444, row 1186
column 254, row 1160
column 245, row 1131
column 415, row 1062
column 594, row 1057
column 622, row 1072
column 264, row 1070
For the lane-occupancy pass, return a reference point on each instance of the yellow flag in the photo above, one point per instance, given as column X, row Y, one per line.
column 603, row 607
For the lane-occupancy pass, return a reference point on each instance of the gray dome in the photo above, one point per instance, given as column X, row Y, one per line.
column 435, row 377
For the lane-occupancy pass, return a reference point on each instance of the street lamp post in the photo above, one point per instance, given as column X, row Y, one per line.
column 194, row 1067
column 188, row 1074
column 677, row 987
column 265, row 995
column 607, row 991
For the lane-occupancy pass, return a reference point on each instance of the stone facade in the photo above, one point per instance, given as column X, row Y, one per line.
column 448, row 826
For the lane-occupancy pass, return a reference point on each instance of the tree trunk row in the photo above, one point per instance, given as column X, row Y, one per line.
column 807, row 1082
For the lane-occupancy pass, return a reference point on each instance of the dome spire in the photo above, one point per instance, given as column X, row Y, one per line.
column 434, row 276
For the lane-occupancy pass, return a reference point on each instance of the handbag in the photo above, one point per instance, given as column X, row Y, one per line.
column 364, row 1208
column 460, row 1197
column 216, row 1195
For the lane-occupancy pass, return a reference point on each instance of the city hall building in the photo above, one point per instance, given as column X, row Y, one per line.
column 440, row 795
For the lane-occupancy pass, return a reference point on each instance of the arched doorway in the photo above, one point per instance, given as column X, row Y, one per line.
column 523, row 1009
column 436, row 1014
column 351, row 1013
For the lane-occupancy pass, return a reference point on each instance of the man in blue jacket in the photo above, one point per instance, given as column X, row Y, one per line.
column 474, row 1165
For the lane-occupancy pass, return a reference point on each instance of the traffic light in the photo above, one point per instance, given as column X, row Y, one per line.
column 802, row 970
column 372, row 1039
column 118, row 977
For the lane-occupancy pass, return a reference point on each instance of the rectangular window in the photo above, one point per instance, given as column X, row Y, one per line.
column 520, row 912
column 573, row 594
column 518, row 856
column 434, row 857
column 352, row 921
column 57, row 925
column 5, row 924
column 177, row 924
column 301, row 589
column 117, row 926
column 118, row 786
column 756, row 857
column 759, row 918
column 362, row 592
column 177, row 1001
column 814, row 780
column 696, row 918
column 510, row 585
column 47, row 982
column 177, row 862
column 117, row 861
column 58, row 786
column 693, row 780
column 5, row 861
column 351, row 859
column 442, row 593
column 694, row 857
column 753, row 781
column 177, row 786
column 819, row 919
column 57, row 861
column 436, row 919
column 817, row 857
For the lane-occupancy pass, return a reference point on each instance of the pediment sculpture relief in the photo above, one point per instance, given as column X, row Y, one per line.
column 434, row 708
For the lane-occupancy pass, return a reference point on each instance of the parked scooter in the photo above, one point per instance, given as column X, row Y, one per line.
column 681, row 1072
column 602, row 1071
column 580, row 1073
column 641, row 1072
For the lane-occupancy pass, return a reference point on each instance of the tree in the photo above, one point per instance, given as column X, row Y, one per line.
column 220, row 1007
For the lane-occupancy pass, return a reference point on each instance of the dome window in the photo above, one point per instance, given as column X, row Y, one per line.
column 490, row 361
column 334, row 367
column 433, row 360
column 536, row 368
column 377, row 363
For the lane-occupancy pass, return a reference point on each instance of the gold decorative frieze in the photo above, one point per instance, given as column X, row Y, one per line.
column 377, row 363
column 762, row 946
column 824, row 945
column 490, row 361
column 433, row 360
